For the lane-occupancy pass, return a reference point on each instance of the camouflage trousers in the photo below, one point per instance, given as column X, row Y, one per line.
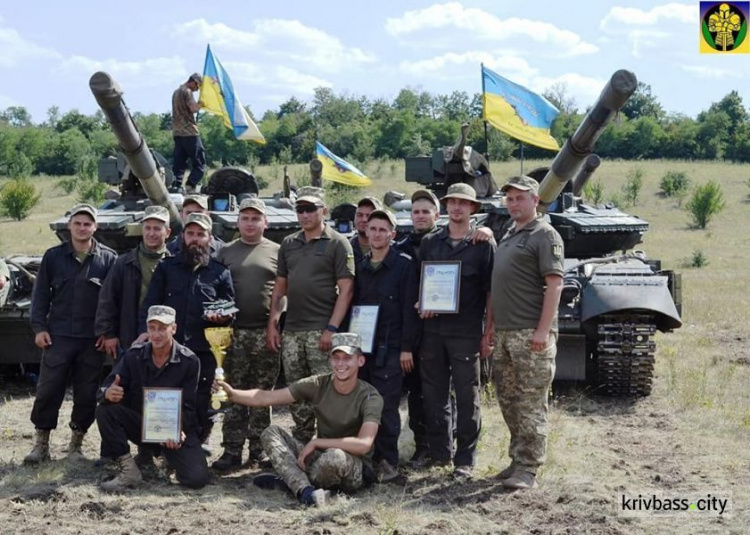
column 324, row 469
column 522, row 381
column 302, row 358
column 249, row 364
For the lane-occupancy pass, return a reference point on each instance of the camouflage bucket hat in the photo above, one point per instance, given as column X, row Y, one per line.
column 83, row 209
column 370, row 201
column 349, row 343
column 162, row 314
column 426, row 195
column 312, row 195
column 156, row 212
column 383, row 214
column 253, row 203
column 202, row 220
column 522, row 182
column 200, row 200
column 462, row 191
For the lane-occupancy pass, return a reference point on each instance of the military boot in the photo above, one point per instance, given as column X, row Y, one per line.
column 74, row 453
column 128, row 478
column 40, row 452
column 229, row 461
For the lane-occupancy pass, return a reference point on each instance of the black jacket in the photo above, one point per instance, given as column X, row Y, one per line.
column 66, row 291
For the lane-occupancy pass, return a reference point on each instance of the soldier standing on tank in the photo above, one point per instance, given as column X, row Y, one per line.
column 527, row 281
column 316, row 274
column 252, row 260
column 187, row 139
column 63, row 305
column 359, row 242
column 190, row 205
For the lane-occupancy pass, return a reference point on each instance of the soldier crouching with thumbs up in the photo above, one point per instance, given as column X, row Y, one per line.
column 161, row 363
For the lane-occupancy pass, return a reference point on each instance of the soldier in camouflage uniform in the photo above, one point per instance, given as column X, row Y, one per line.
column 252, row 261
column 348, row 412
column 187, row 139
column 526, row 285
column 316, row 274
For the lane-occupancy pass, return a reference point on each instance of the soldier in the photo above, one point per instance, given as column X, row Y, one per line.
column 63, row 305
column 388, row 278
column 527, row 282
column 451, row 342
column 359, row 242
column 190, row 205
column 161, row 362
column 187, row 139
column 315, row 272
column 252, row 260
column 187, row 282
column 348, row 412
column 127, row 283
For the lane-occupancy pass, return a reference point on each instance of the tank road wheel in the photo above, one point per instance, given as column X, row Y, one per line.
column 625, row 354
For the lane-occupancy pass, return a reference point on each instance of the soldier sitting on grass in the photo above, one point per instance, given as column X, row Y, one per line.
column 348, row 413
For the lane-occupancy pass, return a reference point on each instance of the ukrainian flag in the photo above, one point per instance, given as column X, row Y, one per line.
column 518, row 112
column 339, row 170
column 218, row 97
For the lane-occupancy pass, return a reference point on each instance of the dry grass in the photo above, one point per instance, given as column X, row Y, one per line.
column 690, row 436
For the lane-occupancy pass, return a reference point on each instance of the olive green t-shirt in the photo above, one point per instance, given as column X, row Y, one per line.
column 312, row 269
column 253, row 269
column 522, row 260
column 338, row 415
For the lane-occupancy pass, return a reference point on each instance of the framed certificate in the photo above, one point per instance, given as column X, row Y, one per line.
column 364, row 322
column 439, row 287
column 162, row 415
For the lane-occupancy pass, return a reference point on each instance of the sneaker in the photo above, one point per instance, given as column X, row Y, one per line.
column 227, row 462
column 320, row 497
column 269, row 481
column 462, row 472
column 508, row 471
column 520, row 480
column 386, row 472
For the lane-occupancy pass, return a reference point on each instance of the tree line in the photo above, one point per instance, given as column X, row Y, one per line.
column 360, row 129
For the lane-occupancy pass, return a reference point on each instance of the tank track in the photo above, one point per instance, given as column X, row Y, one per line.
column 625, row 354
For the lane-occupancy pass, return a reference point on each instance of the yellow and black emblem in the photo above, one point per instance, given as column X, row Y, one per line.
column 724, row 28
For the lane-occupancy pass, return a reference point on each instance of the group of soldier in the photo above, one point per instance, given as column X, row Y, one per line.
column 148, row 310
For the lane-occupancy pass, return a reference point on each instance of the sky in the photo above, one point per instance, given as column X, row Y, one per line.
column 276, row 50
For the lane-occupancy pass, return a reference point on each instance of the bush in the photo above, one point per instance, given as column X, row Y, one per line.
column 68, row 184
column 698, row 260
column 632, row 187
column 594, row 192
column 91, row 191
column 20, row 166
column 18, row 197
column 707, row 201
column 674, row 183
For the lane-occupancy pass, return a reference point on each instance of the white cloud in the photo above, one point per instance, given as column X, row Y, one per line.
column 218, row 34
column 584, row 89
column 149, row 72
column 712, row 73
column 14, row 49
column 483, row 25
column 446, row 65
column 682, row 13
column 283, row 79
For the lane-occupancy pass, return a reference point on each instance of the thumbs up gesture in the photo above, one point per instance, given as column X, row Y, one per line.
column 115, row 392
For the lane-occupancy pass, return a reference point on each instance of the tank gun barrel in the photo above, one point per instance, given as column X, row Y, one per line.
column 590, row 164
column 108, row 95
column 613, row 97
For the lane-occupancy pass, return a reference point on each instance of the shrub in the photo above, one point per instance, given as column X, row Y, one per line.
column 707, row 201
column 18, row 197
column 68, row 184
column 91, row 191
column 594, row 192
column 632, row 187
column 20, row 166
column 698, row 260
column 674, row 183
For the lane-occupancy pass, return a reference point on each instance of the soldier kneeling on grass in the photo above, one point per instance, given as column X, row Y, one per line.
column 348, row 413
column 164, row 363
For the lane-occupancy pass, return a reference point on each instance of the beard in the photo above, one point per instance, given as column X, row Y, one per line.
column 196, row 254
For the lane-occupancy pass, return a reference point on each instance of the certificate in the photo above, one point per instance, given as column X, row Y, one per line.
column 364, row 322
column 439, row 286
column 162, row 415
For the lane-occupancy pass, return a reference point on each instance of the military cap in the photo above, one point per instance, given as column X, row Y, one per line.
column 312, row 195
column 425, row 194
column 162, row 314
column 200, row 200
column 83, row 209
column 522, row 182
column 370, row 201
column 349, row 343
column 383, row 214
column 253, row 203
column 196, row 78
column 462, row 191
column 200, row 219
column 156, row 212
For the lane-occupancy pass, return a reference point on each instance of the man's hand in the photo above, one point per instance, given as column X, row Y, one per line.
column 110, row 347
column 308, row 450
column 273, row 338
column 221, row 384
column 407, row 361
column 481, row 234
column 43, row 340
column 115, row 392
column 539, row 340
column 326, row 341
column 172, row 445
column 99, row 344
column 142, row 339
column 217, row 317
column 486, row 346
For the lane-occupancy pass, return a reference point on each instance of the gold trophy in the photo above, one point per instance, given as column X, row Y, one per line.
column 219, row 338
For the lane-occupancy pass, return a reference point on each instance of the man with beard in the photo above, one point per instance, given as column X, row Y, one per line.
column 194, row 204
column 360, row 243
column 187, row 283
column 63, row 305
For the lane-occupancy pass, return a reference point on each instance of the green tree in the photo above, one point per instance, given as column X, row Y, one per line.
column 706, row 202
column 643, row 103
column 16, row 116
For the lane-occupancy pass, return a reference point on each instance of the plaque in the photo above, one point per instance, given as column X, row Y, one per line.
column 439, row 287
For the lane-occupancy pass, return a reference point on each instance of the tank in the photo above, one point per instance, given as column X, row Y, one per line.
column 614, row 297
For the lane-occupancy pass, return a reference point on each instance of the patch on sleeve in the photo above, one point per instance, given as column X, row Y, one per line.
column 557, row 250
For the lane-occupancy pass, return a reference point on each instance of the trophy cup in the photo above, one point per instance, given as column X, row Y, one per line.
column 219, row 338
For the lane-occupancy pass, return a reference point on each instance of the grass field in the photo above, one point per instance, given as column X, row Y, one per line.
column 689, row 438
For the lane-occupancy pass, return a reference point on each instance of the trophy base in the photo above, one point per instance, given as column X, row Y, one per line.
column 216, row 405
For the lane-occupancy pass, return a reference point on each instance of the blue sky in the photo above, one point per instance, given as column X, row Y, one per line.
column 275, row 50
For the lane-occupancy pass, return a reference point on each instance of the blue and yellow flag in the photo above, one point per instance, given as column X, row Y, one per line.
column 218, row 97
column 339, row 170
column 518, row 112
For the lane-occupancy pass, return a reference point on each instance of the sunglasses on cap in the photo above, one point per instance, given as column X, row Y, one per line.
column 305, row 208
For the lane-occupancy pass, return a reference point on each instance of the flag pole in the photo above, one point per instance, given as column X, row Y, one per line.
column 484, row 118
column 521, row 157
